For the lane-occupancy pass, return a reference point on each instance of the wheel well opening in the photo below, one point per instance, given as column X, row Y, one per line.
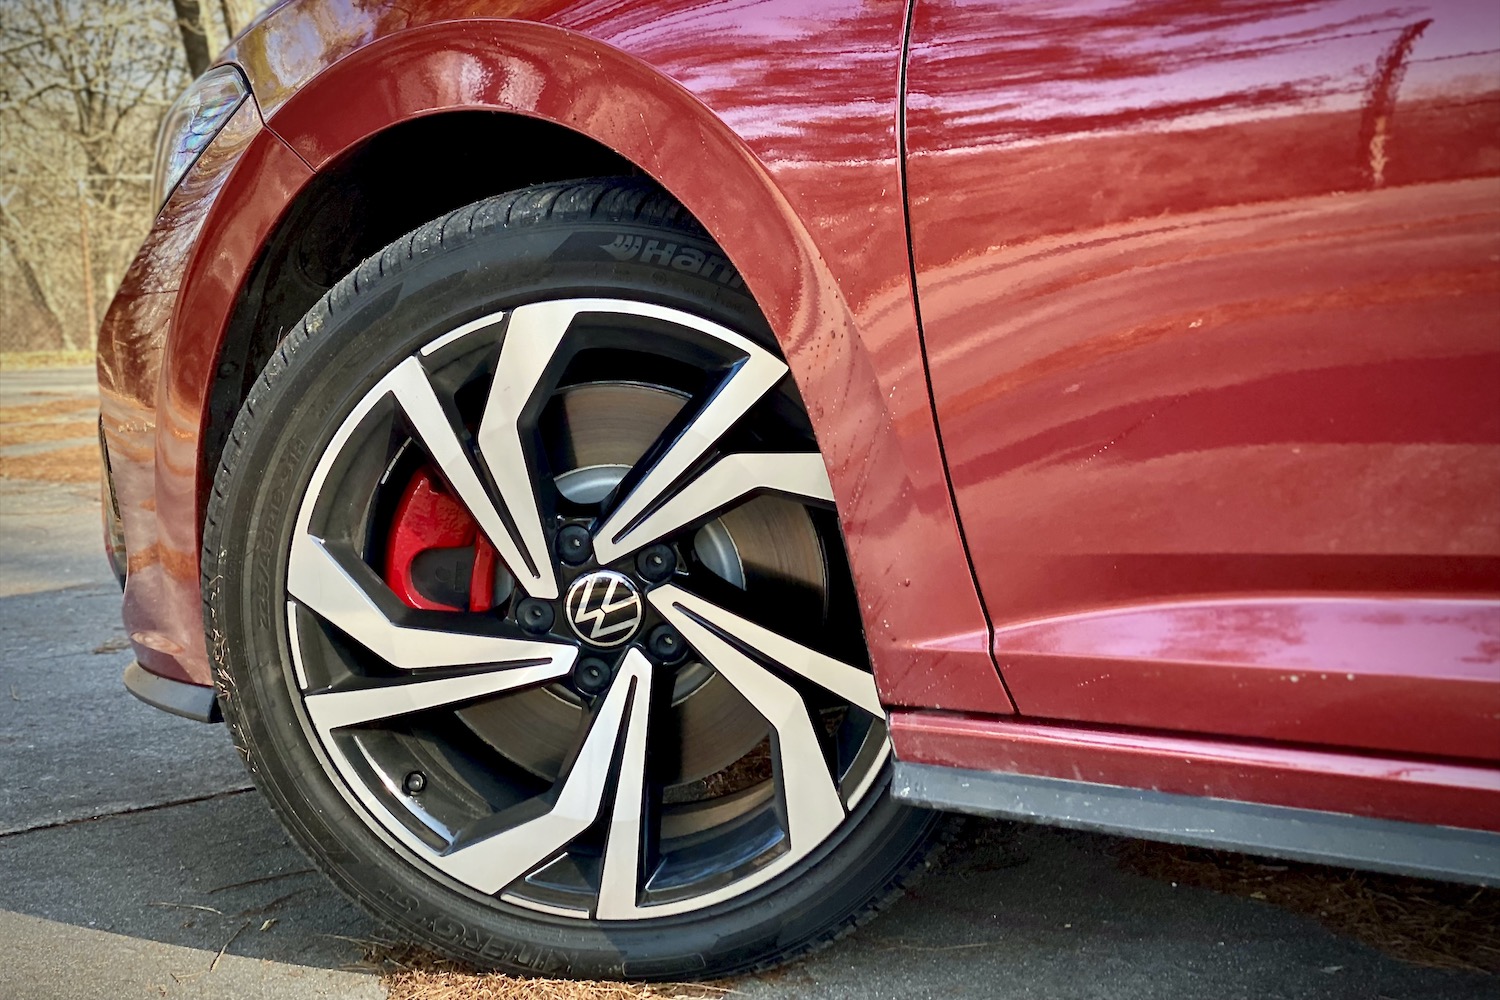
column 388, row 186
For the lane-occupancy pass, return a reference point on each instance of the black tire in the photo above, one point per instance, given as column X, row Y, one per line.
column 542, row 243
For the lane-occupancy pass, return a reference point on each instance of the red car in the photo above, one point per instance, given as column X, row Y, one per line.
column 611, row 464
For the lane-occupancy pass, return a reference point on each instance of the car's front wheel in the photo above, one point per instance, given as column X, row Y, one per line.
column 530, row 607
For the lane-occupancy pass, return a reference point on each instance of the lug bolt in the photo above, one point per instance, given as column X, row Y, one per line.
column 533, row 615
column 665, row 644
column 591, row 675
column 656, row 563
column 414, row 782
column 574, row 546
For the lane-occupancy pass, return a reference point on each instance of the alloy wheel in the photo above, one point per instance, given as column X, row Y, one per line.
column 569, row 620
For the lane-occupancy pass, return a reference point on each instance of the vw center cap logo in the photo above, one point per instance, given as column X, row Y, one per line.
column 604, row 608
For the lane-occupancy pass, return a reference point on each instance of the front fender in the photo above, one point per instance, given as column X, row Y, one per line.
column 810, row 212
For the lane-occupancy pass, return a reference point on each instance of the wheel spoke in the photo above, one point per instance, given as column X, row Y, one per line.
column 850, row 683
column 813, row 805
column 531, row 340
column 320, row 581
column 746, row 384
column 728, row 480
column 492, row 863
column 459, row 677
column 619, row 881
column 332, row 710
column 412, row 389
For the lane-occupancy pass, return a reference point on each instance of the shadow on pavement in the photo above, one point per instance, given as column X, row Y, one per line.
column 208, row 875
column 1030, row 912
column 133, row 854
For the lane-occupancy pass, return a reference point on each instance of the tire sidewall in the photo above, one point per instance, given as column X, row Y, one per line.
column 352, row 340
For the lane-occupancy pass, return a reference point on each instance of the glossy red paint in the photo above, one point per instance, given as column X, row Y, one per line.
column 1210, row 316
column 154, row 373
column 1420, row 791
column 1416, row 676
column 804, row 194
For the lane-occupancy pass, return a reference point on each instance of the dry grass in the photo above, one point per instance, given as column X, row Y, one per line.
column 411, row 974
column 21, row 360
column 63, row 430
column 82, row 407
column 44, row 423
column 1435, row 924
column 79, row 464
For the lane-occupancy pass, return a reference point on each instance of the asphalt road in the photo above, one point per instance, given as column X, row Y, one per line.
column 136, row 862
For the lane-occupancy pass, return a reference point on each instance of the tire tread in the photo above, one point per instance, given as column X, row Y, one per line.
column 624, row 200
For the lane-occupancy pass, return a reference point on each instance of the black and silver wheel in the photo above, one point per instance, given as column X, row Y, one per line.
column 530, row 603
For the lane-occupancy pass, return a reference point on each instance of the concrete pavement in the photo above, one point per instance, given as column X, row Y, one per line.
column 132, row 850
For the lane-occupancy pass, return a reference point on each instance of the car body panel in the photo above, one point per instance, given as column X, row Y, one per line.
column 810, row 212
column 1415, row 790
column 155, row 366
column 1211, row 320
column 1150, row 561
column 1415, row 675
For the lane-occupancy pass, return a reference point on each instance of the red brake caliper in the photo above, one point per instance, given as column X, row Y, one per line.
column 429, row 518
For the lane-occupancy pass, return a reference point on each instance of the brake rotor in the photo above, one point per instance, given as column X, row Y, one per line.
column 594, row 433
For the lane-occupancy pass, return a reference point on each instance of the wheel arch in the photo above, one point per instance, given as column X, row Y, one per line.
column 596, row 111
column 328, row 227
column 882, row 455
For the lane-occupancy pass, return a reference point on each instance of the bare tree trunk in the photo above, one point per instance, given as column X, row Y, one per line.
column 194, row 38
column 90, row 315
column 34, row 287
column 237, row 14
column 84, row 83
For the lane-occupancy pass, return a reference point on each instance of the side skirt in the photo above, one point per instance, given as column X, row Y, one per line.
column 1439, row 852
column 191, row 701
